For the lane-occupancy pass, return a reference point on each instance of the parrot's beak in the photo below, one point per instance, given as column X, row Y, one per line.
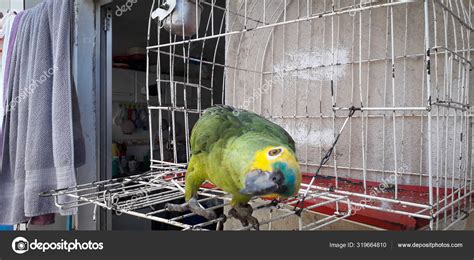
column 258, row 183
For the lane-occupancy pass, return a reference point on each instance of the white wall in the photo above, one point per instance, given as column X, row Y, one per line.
column 4, row 5
column 16, row 4
column 31, row 3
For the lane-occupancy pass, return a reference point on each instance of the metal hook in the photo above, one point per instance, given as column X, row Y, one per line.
column 164, row 10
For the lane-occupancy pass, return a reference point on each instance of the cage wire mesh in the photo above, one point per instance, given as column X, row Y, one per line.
column 392, row 77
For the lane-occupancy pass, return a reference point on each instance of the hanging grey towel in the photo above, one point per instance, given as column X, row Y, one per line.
column 43, row 142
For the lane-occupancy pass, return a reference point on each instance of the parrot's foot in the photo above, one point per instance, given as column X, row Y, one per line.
column 243, row 212
column 194, row 206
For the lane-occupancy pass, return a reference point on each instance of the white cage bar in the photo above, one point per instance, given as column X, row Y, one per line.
column 403, row 67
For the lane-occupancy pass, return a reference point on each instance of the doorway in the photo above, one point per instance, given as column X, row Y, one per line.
column 127, row 139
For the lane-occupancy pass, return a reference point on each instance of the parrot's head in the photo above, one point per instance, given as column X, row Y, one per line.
column 274, row 172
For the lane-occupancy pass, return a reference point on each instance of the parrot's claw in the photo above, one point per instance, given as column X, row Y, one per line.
column 194, row 206
column 243, row 212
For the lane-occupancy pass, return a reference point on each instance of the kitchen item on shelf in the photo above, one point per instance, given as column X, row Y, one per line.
column 123, row 164
column 118, row 118
column 132, row 114
column 132, row 166
column 136, row 54
column 115, row 166
column 144, row 118
column 121, row 59
column 115, row 150
column 139, row 123
column 179, row 17
column 128, row 127
column 120, row 65
column 122, row 149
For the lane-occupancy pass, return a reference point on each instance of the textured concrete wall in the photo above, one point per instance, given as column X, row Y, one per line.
column 286, row 72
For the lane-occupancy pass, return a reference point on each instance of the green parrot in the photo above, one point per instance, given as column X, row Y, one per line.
column 243, row 154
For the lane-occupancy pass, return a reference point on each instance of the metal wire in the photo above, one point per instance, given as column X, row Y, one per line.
column 140, row 195
column 305, row 64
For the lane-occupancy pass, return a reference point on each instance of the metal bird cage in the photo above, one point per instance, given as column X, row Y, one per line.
column 381, row 88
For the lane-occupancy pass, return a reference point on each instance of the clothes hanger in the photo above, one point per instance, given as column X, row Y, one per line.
column 11, row 11
column 8, row 12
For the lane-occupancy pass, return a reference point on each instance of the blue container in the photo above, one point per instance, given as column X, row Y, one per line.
column 6, row 228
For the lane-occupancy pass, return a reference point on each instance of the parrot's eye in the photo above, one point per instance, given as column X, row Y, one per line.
column 275, row 152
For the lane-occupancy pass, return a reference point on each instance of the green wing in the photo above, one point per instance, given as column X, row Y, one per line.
column 220, row 123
